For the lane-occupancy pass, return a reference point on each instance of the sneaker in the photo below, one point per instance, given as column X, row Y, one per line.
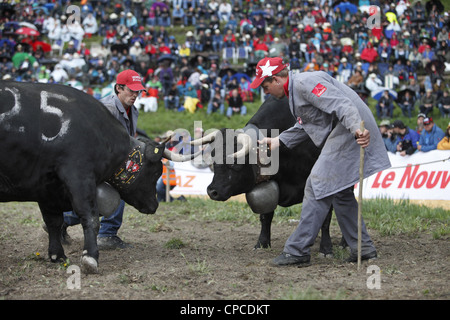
column 354, row 256
column 111, row 243
column 286, row 259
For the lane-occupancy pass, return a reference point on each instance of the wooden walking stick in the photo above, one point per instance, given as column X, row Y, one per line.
column 167, row 182
column 361, row 178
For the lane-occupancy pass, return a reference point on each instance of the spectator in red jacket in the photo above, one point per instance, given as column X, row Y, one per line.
column 369, row 53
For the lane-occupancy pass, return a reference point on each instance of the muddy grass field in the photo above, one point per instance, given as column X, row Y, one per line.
column 184, row 252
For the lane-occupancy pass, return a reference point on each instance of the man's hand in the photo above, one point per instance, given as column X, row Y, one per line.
column 272, row 143
column 363, row 139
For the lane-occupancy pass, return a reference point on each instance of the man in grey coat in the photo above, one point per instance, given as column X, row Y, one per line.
column 330, row 113
column 121, row 104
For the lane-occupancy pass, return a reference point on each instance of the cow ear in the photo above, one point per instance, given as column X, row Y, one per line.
column 154, row 152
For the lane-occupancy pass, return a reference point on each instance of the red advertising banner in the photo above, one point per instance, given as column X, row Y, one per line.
column 420, row 176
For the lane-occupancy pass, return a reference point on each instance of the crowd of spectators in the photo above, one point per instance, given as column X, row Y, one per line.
column 426, row 136
column 395, row 52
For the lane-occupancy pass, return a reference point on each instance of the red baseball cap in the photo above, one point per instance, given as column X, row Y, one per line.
column 131, row 79
column 427, row 120
column 267, row 67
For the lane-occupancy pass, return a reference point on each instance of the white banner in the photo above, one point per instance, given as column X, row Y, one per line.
column 421, row 176
column 191, row 180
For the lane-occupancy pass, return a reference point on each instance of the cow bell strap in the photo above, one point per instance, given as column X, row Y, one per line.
column 129, row 170
column 257, row 168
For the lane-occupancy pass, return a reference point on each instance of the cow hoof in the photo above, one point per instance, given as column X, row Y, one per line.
column 325, row 255
column 89, row 264
column 56, row 258
column 261, row 246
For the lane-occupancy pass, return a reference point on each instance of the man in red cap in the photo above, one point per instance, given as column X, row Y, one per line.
column 330, row 113
column 127, row 88
column 121, row 104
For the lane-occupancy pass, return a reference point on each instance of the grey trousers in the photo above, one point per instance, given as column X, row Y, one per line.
column 313, row 215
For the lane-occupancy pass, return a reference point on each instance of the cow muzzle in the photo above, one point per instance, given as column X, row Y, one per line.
column 215, row 195
column 148, row 208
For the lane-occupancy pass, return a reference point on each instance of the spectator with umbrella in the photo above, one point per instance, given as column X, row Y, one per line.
column 385, row 106
column 406, row 101
column 19, row 56
column 435, row 70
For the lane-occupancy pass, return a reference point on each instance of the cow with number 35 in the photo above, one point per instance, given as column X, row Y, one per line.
column 63, row 149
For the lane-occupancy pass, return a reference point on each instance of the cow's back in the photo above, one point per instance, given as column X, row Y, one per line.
column 274, row 113
column 44, row 127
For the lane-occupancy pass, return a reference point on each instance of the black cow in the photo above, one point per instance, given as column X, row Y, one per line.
column 57, row 144
column 294, row 168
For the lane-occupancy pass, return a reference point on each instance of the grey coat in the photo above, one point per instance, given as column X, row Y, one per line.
column 114, row 105
column 330, row 112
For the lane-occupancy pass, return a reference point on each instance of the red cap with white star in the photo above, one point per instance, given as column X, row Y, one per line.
column 267, row 67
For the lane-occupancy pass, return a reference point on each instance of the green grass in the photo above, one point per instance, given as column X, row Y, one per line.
column 174, row 243
column 387, row 216
column 391, row 217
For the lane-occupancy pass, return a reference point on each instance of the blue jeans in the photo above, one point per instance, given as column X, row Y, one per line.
column 161, row 190
column 172, row 102
column 230, row 111
column 108, row 226
column 211, row 109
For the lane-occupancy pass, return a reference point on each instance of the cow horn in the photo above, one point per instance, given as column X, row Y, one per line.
column 169, row 155
column 246, row 142
column 204, row 140
column 167, row 139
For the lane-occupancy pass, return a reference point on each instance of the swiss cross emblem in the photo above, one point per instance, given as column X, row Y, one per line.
column 132, row 166
column 319, row 90
column 129, row 165
column 299, row 120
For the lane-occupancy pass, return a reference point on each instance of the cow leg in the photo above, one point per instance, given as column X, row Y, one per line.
column 326, row 247
column 264, row 236
column 84, row 203
column 90, row 222
column 53, row 220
